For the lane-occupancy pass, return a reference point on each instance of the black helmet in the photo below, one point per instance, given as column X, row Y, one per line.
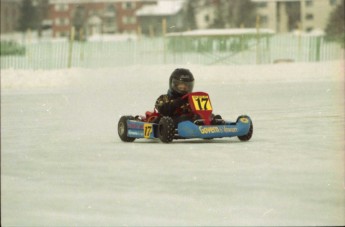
column 181, row 82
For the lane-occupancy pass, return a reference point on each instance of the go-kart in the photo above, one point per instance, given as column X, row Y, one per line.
column 152, row 125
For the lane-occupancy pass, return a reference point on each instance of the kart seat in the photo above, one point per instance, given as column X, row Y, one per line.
column 151, row 116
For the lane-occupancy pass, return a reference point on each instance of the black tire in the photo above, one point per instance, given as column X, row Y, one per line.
column 249, row 135
column 166, row 129
column 122, row 129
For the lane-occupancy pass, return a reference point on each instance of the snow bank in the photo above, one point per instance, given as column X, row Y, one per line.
column 111, row 38
column 37, row 78
column 278, row 73
column 287, row 72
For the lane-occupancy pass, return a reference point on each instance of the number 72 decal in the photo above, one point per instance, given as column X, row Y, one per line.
column 201, row 102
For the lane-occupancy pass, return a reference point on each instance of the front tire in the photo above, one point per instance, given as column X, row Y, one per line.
column 166, row 129
column 249, row 135
column 122, row 129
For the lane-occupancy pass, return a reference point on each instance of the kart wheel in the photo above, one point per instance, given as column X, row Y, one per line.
column 248, row 136
column 122, row 129
column 166, row 129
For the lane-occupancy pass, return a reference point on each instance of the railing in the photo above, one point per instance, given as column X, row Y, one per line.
column 64, row 54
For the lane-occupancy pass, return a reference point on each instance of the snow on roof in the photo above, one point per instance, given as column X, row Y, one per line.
column 223, row 32
column 11, row 1
column 163, row 7
column 313, row 33
column 93, row 1
column 275, row 0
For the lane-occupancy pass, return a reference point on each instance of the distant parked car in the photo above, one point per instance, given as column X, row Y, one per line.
column 11, row 48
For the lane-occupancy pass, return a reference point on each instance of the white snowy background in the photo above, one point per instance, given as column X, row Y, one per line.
column 63, row 164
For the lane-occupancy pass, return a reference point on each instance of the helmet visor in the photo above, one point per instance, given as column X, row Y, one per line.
column 182, row 87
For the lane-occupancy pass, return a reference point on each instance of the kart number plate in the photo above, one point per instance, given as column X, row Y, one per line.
column 147, row 130
column 201, row 102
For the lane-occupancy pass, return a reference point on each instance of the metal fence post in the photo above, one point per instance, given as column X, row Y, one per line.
column 318, row 47
column 70, row 50
column 258, row 39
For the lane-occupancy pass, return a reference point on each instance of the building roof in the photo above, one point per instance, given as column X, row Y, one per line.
column 276, row 0
column 94, row 1
column 11, row 1
column 222, row 32
column 162, row 8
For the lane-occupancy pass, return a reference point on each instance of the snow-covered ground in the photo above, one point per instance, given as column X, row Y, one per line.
column 63, row 164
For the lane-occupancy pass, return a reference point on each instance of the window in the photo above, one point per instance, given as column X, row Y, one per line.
column 309, row 29
column 57, row 21
column 332, row 2
column 309, row 16
column 61, row 7
column 66, row 21
column 262, row 4
column 207, row 18
column 263, row 20
column 129, row 20
column 110, row 11
column 128, row 5
column 61, row 21
column 309, row 2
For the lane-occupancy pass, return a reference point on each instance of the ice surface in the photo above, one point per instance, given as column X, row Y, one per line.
column 63, row 164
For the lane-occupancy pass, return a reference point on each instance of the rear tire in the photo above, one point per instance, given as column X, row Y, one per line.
column 122, row 129
column 249, row 135
column 166, row 129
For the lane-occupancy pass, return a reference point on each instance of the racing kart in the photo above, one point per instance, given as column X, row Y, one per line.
column 152, row 125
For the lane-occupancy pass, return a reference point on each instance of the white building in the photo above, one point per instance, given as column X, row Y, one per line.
column 288, row 15
column 165, row 16
column 205, row 13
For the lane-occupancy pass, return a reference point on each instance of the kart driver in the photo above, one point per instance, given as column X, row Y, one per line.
column 181, row 82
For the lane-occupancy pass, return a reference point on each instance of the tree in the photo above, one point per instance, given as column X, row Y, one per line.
column 335, row 29
column 242, row 13
column 42, row 9
column 293, row 10
column 219, row 21
column 235, row 14
column 28, row 18
column 189, row 15
column 78, row 22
